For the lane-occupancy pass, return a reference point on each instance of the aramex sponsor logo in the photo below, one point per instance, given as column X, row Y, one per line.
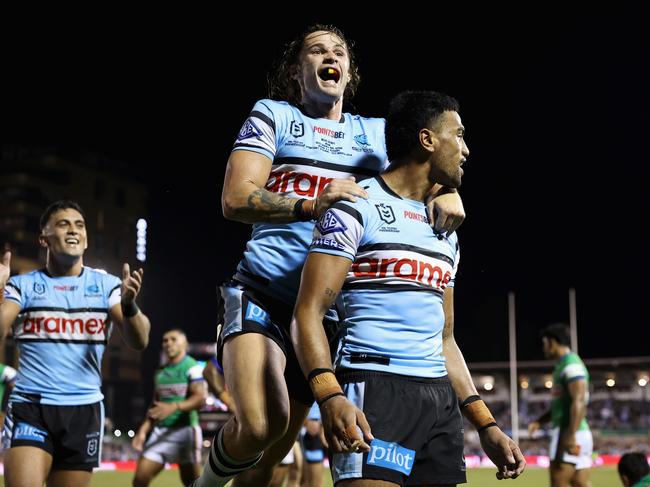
column 391, row 455
column 56, row 324
column 412, row 269
column 302, row 184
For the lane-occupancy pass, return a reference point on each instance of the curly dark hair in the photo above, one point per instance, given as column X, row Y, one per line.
column 560, row 332
column 282, row 86
column 408, row 113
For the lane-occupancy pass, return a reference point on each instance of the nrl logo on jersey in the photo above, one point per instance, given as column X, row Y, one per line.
column 249, row 130
column 297, row 129
column 329, row 223
column 386, row 213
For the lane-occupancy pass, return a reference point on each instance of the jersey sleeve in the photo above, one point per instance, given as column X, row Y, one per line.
column 195, row 373
column 114, row 286
column 258, row 134
column 339, row 231
column 13, row 292
column 454, row 269
column 574, row 371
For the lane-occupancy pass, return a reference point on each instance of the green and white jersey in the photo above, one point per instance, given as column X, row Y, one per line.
column 7, row 376
column 644, row 482
column 569, row 368
column 172, row 383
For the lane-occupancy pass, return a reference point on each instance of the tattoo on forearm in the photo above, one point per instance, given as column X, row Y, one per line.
column 330, row 293
column 264, row 205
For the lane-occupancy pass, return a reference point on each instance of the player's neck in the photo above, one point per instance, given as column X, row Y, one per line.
column 178, row 359
column 561, row 351
column 56, row 268
column 319, row 109
column 409, row 180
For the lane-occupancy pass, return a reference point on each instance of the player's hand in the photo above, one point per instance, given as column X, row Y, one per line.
column 336, row 190
column 568, row 444
column 503, row 452
column 533, row 427
column 5, row 268
column 131, row 283
column 446, row 211
column 138, row 442
column 340, row 420
column 160, row 410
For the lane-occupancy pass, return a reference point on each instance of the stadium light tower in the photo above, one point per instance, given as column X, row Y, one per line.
column 141, row 241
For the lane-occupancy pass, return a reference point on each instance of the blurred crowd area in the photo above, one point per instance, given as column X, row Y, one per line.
column 618, row 426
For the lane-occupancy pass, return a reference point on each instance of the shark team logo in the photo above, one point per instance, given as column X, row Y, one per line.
column 249, row 130
column 329, row 223
column 39, row 288
column 386, row 213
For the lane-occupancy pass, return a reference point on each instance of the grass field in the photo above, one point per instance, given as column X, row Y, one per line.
column 483, row 477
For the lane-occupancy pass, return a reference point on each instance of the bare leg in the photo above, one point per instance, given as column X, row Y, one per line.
column 26, row 466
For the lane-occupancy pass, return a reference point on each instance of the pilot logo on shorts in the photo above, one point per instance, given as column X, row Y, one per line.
column 386, row 213
column 391, row 455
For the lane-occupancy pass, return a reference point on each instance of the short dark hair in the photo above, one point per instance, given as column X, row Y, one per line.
column 282, row 86
column 56, row 206
column 177, row 330
column 408, row 113
column 558, row 332
column 634, row 466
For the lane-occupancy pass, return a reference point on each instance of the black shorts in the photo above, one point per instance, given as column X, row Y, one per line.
column 242, row 309
column 71, row 434
column 417, row 426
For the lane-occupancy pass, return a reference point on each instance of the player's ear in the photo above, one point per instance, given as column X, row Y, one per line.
column 42, row 241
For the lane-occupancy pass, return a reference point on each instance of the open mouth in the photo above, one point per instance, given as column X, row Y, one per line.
column 72, row 241
column 329, row 74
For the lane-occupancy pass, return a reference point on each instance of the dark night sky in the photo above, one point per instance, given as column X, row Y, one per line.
column 555, row 103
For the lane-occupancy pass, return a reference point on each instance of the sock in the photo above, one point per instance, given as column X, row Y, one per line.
column 220, row 468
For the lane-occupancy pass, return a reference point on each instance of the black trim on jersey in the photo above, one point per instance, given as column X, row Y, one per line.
column 15, row 287
column 45, row 271
column 383, row 286
column 63, row 340
column 263, row 117
column 65, row 310
column 349, row 210
column 111, row 291
column 347, row 255
column 239, row 144
column 407, row 247
column 367, row 358
column 385, row 187
column 302, row 161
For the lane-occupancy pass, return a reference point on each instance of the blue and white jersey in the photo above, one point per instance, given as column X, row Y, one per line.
column 62, row 330
column 392, row 299
column 307, row 153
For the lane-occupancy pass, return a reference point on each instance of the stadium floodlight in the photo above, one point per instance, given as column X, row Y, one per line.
column 488, row 386
column 524, row 384
column 117, row 433
column 206, row 443
column 548, row 384
column 141, row 239
column 643, row 381
column 610, row 382
column 131, row 433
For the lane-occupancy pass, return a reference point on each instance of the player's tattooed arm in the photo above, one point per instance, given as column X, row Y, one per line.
column 331, row 295
column 267, row 206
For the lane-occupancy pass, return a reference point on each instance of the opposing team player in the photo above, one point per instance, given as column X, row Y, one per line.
column 401, row 370
column 55, row 419
column 291, row 161
column 172, row 421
